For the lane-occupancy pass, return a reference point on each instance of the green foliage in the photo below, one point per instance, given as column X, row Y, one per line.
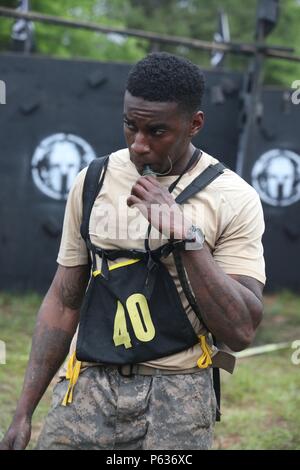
column 68, row 42
column 285, row 34
column 188, row 18
column 198, row 19
column 5, row 28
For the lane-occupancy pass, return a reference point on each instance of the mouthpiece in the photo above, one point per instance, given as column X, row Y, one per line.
column 148, row 172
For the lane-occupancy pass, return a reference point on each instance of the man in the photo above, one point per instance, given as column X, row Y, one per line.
column 166, row 402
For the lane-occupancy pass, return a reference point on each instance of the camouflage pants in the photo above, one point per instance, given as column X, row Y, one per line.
column 109, row 411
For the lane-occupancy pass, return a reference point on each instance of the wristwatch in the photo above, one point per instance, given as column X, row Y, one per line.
column 194, row 240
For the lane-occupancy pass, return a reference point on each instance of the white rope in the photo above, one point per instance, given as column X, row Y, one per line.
column 263, row 349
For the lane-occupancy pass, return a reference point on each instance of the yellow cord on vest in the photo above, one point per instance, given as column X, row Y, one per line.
column 117, row 265
column 73, row 371
column 204, row 360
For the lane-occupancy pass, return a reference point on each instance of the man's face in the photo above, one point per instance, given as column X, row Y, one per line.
column 155, row 131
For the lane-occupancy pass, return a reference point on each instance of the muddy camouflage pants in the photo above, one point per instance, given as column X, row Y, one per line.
column 110, row 411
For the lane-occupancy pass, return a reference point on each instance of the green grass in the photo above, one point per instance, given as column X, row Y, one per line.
column 17, row 318
column 260, row 402
column 261, row 405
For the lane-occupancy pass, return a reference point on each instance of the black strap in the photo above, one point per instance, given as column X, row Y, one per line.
column 185, row 284
column 91, row 189
column 189, row 164
column 217, row 389
column 200, row 182
column 193, row 303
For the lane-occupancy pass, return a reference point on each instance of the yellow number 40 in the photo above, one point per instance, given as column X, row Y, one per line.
column 140, row 318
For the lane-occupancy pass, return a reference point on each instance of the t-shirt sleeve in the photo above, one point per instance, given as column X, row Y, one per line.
column 239, row 249
column 73, row 251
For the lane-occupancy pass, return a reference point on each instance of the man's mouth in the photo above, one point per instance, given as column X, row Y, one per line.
column 141, row 165
column 142, row 169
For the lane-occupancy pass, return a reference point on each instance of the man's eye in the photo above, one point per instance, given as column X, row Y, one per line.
column 158, row 132
column 129, row 126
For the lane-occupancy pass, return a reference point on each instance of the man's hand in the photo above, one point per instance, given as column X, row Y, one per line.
column 18, row 434
column 158, row 206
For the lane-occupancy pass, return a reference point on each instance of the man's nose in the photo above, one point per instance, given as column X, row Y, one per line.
column 140, row 144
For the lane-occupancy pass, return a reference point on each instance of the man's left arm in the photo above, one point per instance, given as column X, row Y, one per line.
column 231, row 305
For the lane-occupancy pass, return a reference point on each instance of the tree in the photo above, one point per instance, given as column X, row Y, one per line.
column 67, row 42
column 198, row 19
column 189, row 18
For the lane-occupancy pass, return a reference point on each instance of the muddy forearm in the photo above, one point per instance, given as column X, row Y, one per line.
column 50, row 346
column 56, row 324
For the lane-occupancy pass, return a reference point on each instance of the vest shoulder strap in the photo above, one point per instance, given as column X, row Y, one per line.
column 91, row 189
column 200, row 182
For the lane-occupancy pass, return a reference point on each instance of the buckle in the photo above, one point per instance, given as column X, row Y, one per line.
column 122, row 370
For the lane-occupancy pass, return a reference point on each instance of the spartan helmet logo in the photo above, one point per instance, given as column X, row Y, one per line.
column 56, row 162
column 276, row 177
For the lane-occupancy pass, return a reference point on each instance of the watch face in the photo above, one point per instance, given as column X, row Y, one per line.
column 199, row 235
column 196, row 238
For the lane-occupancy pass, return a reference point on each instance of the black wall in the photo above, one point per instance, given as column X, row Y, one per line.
column 275, row 142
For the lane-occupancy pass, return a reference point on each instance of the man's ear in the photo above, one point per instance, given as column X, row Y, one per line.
column 197, row 123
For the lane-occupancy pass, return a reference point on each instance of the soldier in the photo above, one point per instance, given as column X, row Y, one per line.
column 175, row 265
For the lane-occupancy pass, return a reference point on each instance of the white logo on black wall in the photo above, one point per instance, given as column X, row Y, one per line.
column 56, row 162
column 276, row 177
column 295, row 97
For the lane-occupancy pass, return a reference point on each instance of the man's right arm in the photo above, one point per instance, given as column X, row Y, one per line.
column 56, row 324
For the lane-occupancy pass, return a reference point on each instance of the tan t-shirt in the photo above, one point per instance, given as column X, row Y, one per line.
column 228, row 211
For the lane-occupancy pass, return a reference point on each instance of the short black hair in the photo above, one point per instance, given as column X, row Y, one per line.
column 162, row 77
